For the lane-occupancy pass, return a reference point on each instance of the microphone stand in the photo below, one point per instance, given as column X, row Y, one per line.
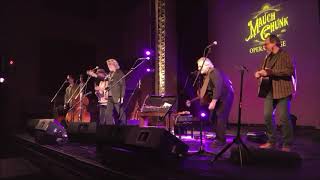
column 54, row 97
column 129, row 72
column 125, row 108
column 206, row 52
column 79, row 94
column 244, row 151
column 205, row 55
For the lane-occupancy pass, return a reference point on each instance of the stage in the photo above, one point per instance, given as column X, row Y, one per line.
column 167, row 64
column 75, row 160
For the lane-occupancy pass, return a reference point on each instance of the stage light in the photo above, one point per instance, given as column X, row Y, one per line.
column 11, row 62
column 203, row 114
column 148, row 53
column 149, row 70
column 2, row 80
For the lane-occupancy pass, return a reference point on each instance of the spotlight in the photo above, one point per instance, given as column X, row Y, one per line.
column 148, row 53
column 11, row 62
column 203, row 114
column 149, row 70
column 2, row 80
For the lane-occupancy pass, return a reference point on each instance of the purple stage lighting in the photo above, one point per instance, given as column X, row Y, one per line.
column 2, row 80
column 148, row 53
column 149, row 70
column 203, row 114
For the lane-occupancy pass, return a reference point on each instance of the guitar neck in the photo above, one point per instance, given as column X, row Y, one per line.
column 195, row 99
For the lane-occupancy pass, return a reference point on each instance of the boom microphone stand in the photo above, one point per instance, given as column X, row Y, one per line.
column 54, row 97
column 237, row 140
column 206, row 52
column 123, row 77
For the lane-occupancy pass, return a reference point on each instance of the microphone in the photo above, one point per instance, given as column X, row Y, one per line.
column 144, row 58
column 68, row 77
column 194, row 72
column 107, row 77
column 97, row 67
column 88, row 93
column 214, row 43
column 243, row 68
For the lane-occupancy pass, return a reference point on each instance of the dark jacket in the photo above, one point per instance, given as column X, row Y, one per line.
column 282, row 70
column 118, row 90
column 219, row 86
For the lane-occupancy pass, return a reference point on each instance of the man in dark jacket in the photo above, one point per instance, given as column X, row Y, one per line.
column 115, row 94
column 217, row 90
column 276, row 72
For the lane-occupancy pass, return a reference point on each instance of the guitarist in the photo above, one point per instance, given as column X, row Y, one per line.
column 115, row 93
column 100, row 91
column 276, row 88
column 217, row 88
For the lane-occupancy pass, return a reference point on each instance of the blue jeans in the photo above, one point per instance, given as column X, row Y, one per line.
column 283, row 108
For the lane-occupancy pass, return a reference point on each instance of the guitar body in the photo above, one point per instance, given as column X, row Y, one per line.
column 203, row 101
column 264, row 87
column 101, row 92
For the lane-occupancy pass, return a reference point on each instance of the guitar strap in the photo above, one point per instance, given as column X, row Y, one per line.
column 205, row 84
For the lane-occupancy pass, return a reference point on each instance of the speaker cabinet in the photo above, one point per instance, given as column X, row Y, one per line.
column 82, row 132
column 148, row 140
column 47, row 131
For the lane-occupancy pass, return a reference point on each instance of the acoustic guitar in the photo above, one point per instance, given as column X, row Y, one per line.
column 264, row 86
column 100, row 90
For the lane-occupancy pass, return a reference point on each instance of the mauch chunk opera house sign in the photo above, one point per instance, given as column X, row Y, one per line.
column 266, row 21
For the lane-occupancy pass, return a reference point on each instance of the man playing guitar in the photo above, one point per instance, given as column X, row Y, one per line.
column 277, row 88
column 216, row 87
column 110, row 92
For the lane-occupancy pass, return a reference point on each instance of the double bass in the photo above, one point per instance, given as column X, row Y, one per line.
column 78, row 107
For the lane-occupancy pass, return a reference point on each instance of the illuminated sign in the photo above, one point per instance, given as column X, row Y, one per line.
column 266, row 21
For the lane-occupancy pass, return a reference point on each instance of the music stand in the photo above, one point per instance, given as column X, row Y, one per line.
column 157, row 102
column 237, row 140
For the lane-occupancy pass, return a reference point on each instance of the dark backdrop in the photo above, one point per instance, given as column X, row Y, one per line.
column 50, row 38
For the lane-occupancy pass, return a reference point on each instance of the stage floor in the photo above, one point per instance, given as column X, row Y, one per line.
column 307, row 145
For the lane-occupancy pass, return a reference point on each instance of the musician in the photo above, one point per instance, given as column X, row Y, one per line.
column 100, row 91
column 218, row 88
column 70, row 91
column 278, row 68
column 115, row 93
